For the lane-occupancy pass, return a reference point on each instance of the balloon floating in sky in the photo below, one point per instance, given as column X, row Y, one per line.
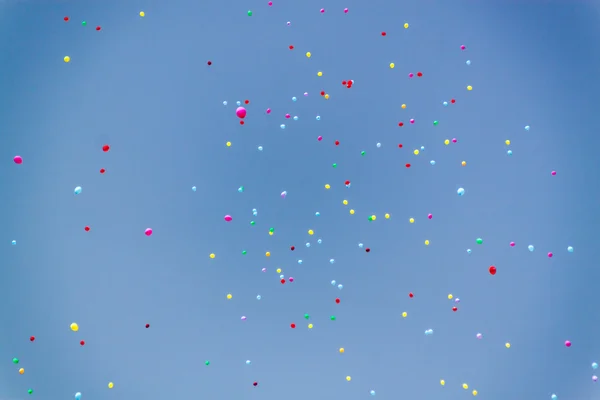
column 18, row 160
column 74, row 327
column 77, row 190
column 228, row 218
column 460, row 191
column 148, row 232
column 240, row 112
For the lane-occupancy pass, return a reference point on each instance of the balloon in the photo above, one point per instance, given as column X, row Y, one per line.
column 240, row 112
column 78, row 396
column 18, row 160
column 148, row 232
column 228, row 218
column 74, row 327
column 77, row 190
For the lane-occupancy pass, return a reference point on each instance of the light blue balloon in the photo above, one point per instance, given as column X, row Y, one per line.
column 239, row 103
column 422, row 148
column 469, row 251
column 318, row 117
column 295, row 118
column 527, row 127
column 468, row 62
column 224, row 103
column 307, row 244
column 378, row 145
column 333, row 283
column 340, row 286
column 445, row 104
column 595, row 365
column 372, row 393
column 281, row 276
column 14, row 242
column 294, row 98
column 299, row 261
column 460, row 191
column 554, row 397
column 331, row 261
column 77, row 190
column 570, row 249
column 282, row 126
column 361, row 245
column 260, row 148
column 241, row 189
column 509, row 152
column 320, row 241
column 248, row 362
column 78, row 396
column 530, row 247
column 258, row 297
column 193, row 188
column 318, row 214
column 432, row 162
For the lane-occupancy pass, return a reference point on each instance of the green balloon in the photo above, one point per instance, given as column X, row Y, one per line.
column 30, row 391
column 244, row 252
column 15, row 360
column 332, row 317
column 306, row 316
column 362, row 153
column 435, row 122
column 83, row 23
column 249, row 13
column 252, row 223
column 479, row 240
column 207, row 362
column 334, row 165
column 271, row 229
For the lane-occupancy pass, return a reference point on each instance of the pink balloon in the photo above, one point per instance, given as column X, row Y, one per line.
column 18, row 160
column 148, row 232
column 268, row 111
column 430, row 216
column 346, row 10
column 320, row 138
column 568, row 343
column 228, row 218
column 240, row 112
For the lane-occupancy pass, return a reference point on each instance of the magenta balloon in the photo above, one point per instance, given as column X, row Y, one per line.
column 228, row 218
column 240, row 112
column 148, row 232
column 18, row 160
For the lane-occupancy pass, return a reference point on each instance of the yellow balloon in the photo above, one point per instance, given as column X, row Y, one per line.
column 142, row 14
column 229, row 296
column 327, row 186
column 326, row 97
column 310, row 326
column 469, row 87
column 111, row 385
column 404, row 314
column 416, row 152
column 474, row 392
column 212, row 255
column 308, row 54
column 278, row 270
column 442, row 382
column 387, row 216
column 228, row 144
column 345, row 202
column 74, row 327
column 427, row 243
column 412, row 220
column 403, row 106
column 507, row 345
column 450, row 297
column 464, row 163
column 507, row 142
column 348, row 378
column 22, row 371
column 373, row 217
column 392, row 65
column 319, row 73
column 311, row 232
column 351, row 212
column 270, row 233
column 446, row 142
column 67, row 59
column 342, row 350
column 465, row 386
column 406, row 26
column 268, row 254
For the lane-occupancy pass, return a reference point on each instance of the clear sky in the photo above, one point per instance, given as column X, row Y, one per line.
column 142, row 86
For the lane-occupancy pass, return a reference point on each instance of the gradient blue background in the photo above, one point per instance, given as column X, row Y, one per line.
column 142, row 86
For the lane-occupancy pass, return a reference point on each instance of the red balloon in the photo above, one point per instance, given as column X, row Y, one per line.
column 209, row 62
column 283, row 281
column 337, row 142
column 344, row 83
column 291, row 47
column 31, row 338
column 337, row 301
column 400, row 146
column 246, row 101
column 383, row 33
column 419, row 74
column 147, row 326
column 407, row 165
column 400, row 124
column 241, row 122
column 82, row 342
column 255, row 384
column 367, row 250
column 292, row 248
column 322, row 93
column 66, row 19
column 347, row 182
column 455, row 309
column 411, row 295
column 493, row 270
column 102, row 170
column 105, row 148
column 87, row 228
column 452, row 101
column 98, row 28
column 293, row 326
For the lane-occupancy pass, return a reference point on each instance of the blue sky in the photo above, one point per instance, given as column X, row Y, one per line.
column 143, row 86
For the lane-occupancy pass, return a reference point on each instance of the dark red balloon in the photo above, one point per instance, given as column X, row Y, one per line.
column 411, row 295
column 452, row 101
column 383, row 33
column 322, row 93
column 293, row 248
column 254, row 384
column 31, row 338
column 66, row 19
column 209, row 63
column 105, row 148
column 241, row 122
column 87, row 228
column 246, row 101
column 400, row 146
column 455, row 309
column 493, row 270
column 147, row 326
column 337, row 142
column 102, row 170
column 98, row 28
column 400, row 123
column 407, row 165
column 337, row 301
column 367, row 250
column 344, row 83
column 82, row 343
